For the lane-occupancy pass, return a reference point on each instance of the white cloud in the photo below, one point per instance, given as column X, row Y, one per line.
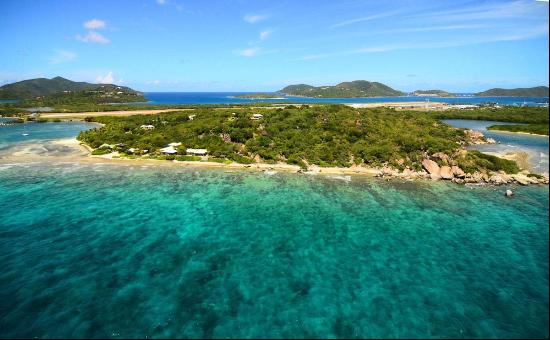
column 254, row 18
column 94, row 24
column 62, row 56
column 161, row 2
column 367, row 18
column 106, row 79
column 250, row 52
column 265, row 34
column 93, row 37
column 518, row 35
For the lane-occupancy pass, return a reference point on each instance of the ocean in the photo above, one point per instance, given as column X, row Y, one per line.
column 158, row 98
column 103, row 250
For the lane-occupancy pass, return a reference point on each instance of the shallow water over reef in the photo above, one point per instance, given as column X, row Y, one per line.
column 99, row 250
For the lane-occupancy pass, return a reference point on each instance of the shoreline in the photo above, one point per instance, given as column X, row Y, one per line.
column 519, row 132
column 73, row 151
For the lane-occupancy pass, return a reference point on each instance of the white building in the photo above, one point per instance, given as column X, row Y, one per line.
column 147, row 127
column 191, row 117
column 257, row 116
column 197, row 152
column 169, row 150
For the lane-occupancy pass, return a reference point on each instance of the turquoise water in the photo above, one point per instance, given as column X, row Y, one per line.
column 103, row 250
column 114, row 251
column 28, row 132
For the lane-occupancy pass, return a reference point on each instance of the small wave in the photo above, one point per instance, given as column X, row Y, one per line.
column 270, row 173
column 342, row 178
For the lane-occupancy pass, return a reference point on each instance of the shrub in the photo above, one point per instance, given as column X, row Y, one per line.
column 188, row 158
column 102, row 151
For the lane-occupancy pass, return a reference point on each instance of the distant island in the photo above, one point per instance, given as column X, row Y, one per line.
column 352, row 89
column 538, row 91
column 260, row 96
column 432, row 93
column 59, row 90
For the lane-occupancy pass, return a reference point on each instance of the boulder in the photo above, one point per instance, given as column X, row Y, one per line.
column 446, row 173
column 458, row 172
column 442, row 156
column 497, row 179
column 435, row 176
column 431, row 166
column 521, row 179
column 509, row 193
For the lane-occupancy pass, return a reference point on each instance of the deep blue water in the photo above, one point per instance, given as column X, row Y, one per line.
column 226, row 98
column 102, row 250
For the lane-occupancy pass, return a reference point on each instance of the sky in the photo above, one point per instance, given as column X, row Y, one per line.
column 264, row 45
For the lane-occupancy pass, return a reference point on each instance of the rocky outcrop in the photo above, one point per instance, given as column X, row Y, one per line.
column 430, row 166
column 446, row 173
column 458, row 172
column 441, row 156
column 476, row 137
column 509, row 193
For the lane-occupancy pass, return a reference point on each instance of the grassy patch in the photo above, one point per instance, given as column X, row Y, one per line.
column 476, row 161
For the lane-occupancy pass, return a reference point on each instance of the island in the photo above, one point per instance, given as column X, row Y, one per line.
column 432, row 93
column 538, row 91
column 311, row 138
column 352, row 89
column 260, row 96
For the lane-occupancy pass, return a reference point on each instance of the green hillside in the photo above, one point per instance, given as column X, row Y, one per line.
column 539, row 91
column 357, row 88
column 43, row 87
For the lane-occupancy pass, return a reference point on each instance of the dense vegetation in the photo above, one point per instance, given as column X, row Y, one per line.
column 539, row 129
column 527, row 115
column 438, row 93
column 39, row 87
column 357, row 88
column 328, row 135
column 539, row 91
column 473, row 160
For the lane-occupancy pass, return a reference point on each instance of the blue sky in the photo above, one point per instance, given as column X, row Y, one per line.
column 238, row 45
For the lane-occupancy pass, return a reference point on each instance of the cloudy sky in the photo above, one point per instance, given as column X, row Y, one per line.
column 238, row 45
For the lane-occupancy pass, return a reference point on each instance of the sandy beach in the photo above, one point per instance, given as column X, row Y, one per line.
column 71, row 150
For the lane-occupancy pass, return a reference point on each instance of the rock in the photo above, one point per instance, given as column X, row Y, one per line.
column 509, row 193
column 387, row 171
column 446, row 173
column 435, row 177
column 442, row 156
column 521, row 179
column 458, row 180
column 458, row 172
column 497, row 179
column 431, row 167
